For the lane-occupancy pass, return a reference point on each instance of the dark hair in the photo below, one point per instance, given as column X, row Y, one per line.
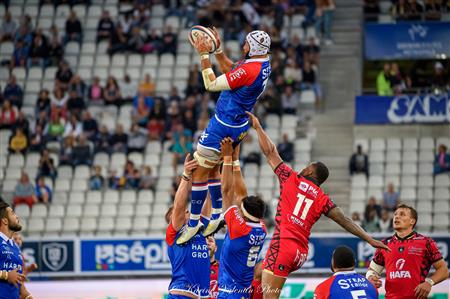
column 3, row 209
column 321, row 172
column 411, row 210
column 255, row 206
column 168, row 214
column 343, row 257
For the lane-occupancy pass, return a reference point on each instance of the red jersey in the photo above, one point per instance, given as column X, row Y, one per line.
column 300, row 205
column 256, row 290
column 214, row 277
column 408, row 264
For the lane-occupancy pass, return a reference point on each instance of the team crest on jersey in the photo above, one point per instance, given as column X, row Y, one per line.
column 401, row 249
column 203, row 137
column 281, row 267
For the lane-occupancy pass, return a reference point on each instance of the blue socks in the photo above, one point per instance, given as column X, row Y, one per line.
column 199, row 192
column 215, row 191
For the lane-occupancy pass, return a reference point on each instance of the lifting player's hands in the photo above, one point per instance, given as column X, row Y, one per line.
column 217, row 36
column 189, row 165
column 422, row 290
column 236, row 152
column 378, row 244
column 254, row 120
column 203, row 45
column 375, row 280
column 15, row 278
column 226, row 147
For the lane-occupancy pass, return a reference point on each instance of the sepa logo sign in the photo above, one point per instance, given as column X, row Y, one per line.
column 417, row 31
column 54, row 255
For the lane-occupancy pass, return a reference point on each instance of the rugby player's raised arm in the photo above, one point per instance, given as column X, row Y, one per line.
column 227, row 173
column 181, row 197
column 225, row 63
column 267, row 146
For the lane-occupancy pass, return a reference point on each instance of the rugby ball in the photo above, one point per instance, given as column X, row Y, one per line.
column 198, row 31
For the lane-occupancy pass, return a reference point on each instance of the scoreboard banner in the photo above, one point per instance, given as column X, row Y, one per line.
column 403, row 109
column 409, row 40
column 148, row 255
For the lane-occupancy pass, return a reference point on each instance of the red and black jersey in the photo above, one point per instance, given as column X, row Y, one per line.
column 214, row 277
column 408, row 263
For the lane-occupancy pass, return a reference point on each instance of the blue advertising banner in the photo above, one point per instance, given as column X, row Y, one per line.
column 403, row 109
column 409, row 40
column 50, row 256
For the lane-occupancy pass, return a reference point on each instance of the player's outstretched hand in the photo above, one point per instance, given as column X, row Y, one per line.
column 375, row 280
column 15, row 278
column 378, row 244
column 189, row 165
column 226, row 147
column 217, row 36
column 422, row 290
column 254, row 120
column 203, row 45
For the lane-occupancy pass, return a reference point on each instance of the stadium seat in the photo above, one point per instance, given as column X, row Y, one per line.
column 376, row 169
column 62, row 185
column 375, row 192
column 409, row 168
column 123, row 224
column 410, row 144
column 392, row 169
column 408, row 194
column 60, row 197
column 16, row 160
column 152, row 160
column 23, row 211
column 70, row 225
column 140, row 224
column 136, row 158
column 79, row 185
column 441, row 194
column 13, row 173
column 425, row 181
column 409, row 156
column 377, row 144
column 357, row 195
column 426, row 143
column 39, row 211
column 143, row 210
column 91, row 210
column 94, row 197
column 408, row 181
column 441, row 207
column 424, row 193
column 359, row 181
column 393, row 156
column 82, row 172
column 393, row 144
column 53, row 226
column 109, row 210
column 56, row 211
column 375, row 182
column 128, row 197
column 74, row 210
column 145, row 196
column 157, row 225
column 126, row 209
column 151, row 60
column 443, row 140
column 111, row 196
column 36, row 226
column 426, row 156
column 88, row 225
column 441, row 222
column 376, row 157
column 442, row 180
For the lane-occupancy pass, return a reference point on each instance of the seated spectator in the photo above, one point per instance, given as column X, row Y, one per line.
column 415, row 11
column 24, row 192
column 370, row 223
column 55, row 128
column 356, row 218
column 119, row 140
column 37, row 140
column 97, row 181
column 43, row 102
column 290, row 100
column 13, row 92
column 137, row 139
column 118, row 41
column 20, row 54
column 310, row 82
column 155, row 129
column 439, row 79
column 147, row 87
column 372, row 205
column 433, row 10
column 66, row 152
column 142, row 106
column 56, row 52
column 105, row 27
column 385, row 222
column 153, row 42
column 9, row 27
column 90, row 126
column 136, row 41
column 131, row 175
column 23, row 123
column 115, row 181
column 169, row 42
column 383, row 83
column 180, row 147
column 111, row 93
column 74, row 32
column 400, row 10
column 75, row 103
column 391, row 198
column 286, row 149
column 371, row 10
column 73, row 128
column 359, row 162
column 81, row 154
column 396, row 79
column 442, row 160
column 39, row 51
column 95, row 93
column 59, row 98
column 63, row 76
column 18, row 142
column 77, row 84
column 128, row 89
column 47, row 166
column 148, row 180
column 292, row 73
column 102, row 140
column 43, row 191
column 8, row 115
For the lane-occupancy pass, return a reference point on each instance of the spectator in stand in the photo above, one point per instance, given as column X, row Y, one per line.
column 59, row 98
column 142, row 106
column 55, row 128
column 43, row 191
column 433, row 10
column 47, row 166
column 156, row 129
column 39, row 52
column 290, row 100
column 65, row 155
column 356, row 218
column 169, row 42
column 74, row 32
column 63, row 76
column 439, row 79
column 97, row 181
column 415, row 11
column 359, row 162
column 441, row 161
column 391, row 198
column 73, row 128
column 37, row 140
column 9, row 27
column 310, row 82
column 385, row 221
column 102, row 140
column 400, row 10
column 111, row 93
column 95, row 93
column 23, row 123
column 90, row 126
column 119, row 140
column 128, row 89
column 311, row 51
column 147, row 87
column 118, row 41
column 13, row 92
column 77, row 84
column 286, row 149
column 20, row 54
column 115, row 181
column 292, row 73
column 153, row 42
column 137, row 139
column 136, row 41
column 148, row 180
column 8, row 115
column 181, row 146
column 324, row 17
column 372, row 205
column 56, row 52
column 24, row 34
column 75, row 103
column 82, row 154
column 18, row 142
column 42, row 121
column 371, row 10
column 383, row 83
column 105, row 27
column 24, row 192
column 131, row 175
column 370, row 223
column 396, row 80
column 43, row 102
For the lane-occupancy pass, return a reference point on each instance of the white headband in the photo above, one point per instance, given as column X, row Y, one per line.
column 259, row 42
column 246, row 214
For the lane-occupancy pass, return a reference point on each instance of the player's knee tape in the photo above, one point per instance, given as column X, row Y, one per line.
column 206, row 158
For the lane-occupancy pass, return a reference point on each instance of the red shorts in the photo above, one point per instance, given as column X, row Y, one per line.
column 284, row 257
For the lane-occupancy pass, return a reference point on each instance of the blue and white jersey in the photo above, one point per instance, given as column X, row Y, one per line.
column 346, row 285
column 10, row 259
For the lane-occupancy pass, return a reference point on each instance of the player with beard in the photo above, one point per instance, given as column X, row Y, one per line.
column 11, row 260
column 214, row 269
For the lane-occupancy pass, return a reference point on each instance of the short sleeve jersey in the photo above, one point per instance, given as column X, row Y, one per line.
column 10, row 259
column 344, row 285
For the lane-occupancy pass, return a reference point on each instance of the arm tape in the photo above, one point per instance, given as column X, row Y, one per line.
column 218, row 84
column 374, row 269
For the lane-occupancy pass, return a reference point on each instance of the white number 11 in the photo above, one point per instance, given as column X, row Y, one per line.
column 298, row 206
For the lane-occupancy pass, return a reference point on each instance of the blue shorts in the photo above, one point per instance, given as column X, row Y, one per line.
column 223, row 295
column 216, row 131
